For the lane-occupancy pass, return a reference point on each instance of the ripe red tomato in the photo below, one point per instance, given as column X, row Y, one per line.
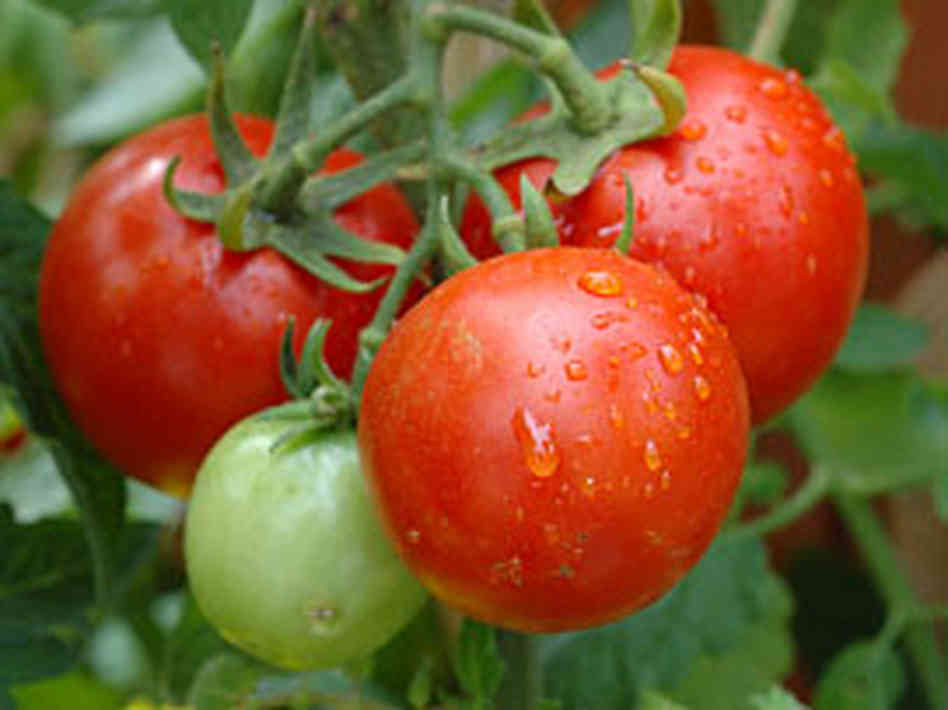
column 554, row 436
column 754, row 202
column 158, row 338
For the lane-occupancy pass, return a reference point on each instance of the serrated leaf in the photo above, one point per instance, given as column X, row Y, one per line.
column 82, row 11
column 775, row 699
column 864, row 676
column 880, row 339
column 874, row 427
column 199, row 25
column 479, row 666
column 727, row 608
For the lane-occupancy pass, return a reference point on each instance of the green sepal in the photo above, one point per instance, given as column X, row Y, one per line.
column 639, row 115
column 296, row 99
column 624, row 240
column 235, row 157
column 541, row 231
column 655, row 29
column 454, row 254
column 669, row 93
column 533, row 14
column 333, row 240
column 331, row 191
column 196, row 205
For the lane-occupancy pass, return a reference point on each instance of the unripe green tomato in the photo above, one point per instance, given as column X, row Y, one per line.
column 284, row 553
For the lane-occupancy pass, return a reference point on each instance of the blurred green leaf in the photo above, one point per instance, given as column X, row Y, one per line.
column 880, row 339
column 495, row 99
column 74, row 690
column 877, row 426
column 910, row 166
column 730, row 612
column 737, row 20
column 479, row 666
column 870, row 36
column 651, row 700
column 775, row 699
column 82, row 11
column 191, row 644
column 940, row 496
column 854, row 103
column 200, row 25
column 864, row 676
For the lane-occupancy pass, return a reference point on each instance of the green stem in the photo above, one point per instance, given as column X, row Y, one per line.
column 508, row 227
column 772, row 30
column 585, row 96
column 808, row 495
column 883, row 565
column 281, row 183
column 523, row 682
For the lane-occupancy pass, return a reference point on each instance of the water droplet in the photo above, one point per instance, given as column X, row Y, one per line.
column 834, row 139
column 671, row 414
column 673, row 176
column 826, row 177
column 702, row 388
column 600, row 283
column 632, row 302
column 693, row 129
column 507, row 571
column 705, row 165
column 653, row 380
column 535, row 370
column 736, row 113
column 126, row 348
column 553, row 396
column 808, row 123
column 648, row 490
column 811, row 264
column 552, row 533
column 601, row 321
column 792, row 76
column 665, row 480
column 413, row 536
column 670, row 358
column 740, row 229
column 634, row 350
column 803, row 217
column 695, row 353
column 684, row 433
column 616, row 416
column 518, row 514
column 576, row 370
column 689, row 277
column 785, row 200
column 562, row 343
column 776, row 142
column 773, row 88
column 709, row 238
column 651, row 456
column 611, row 230
column 537, row 444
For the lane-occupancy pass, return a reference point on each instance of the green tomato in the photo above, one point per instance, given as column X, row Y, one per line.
column 285, row 555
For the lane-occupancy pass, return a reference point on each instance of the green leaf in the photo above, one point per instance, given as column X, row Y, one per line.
column 493, row 100
column 880, row 339
column 199, row 25
column 737, row 20
column 721, row 634
column 188, row 650
column 763, row 483
column 541, row 231
column 82, row 11
column 864, row 676
column 870, row 429
column 775, row 699
column 74, row 690
column 911, row 166
column 479, row 666
column 651, row 700
column 656, row 25
column 853, row 102
column 870, row 36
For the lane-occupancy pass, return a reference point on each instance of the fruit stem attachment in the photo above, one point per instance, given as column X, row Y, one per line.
column 584, row 94
column 772, row 29
column 882, row 563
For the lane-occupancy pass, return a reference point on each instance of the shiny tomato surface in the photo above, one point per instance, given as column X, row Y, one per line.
column 158, row 338
column 754, row 202
column 553, row 437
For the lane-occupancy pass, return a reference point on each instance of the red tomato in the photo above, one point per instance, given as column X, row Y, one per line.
column 159, row 339
column 754, row 202
column 554, row 436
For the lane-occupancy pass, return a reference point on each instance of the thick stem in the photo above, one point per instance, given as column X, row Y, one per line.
column 523, row 681
column 772, row 30
column 370, row 41
column 880, row 559
column 585, row 96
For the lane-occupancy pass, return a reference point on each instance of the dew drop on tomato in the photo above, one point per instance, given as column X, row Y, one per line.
column 576, row 371
column 601, row 283
column 702, row 388
column 537, row 444
column 650, row 455
column 670, row 358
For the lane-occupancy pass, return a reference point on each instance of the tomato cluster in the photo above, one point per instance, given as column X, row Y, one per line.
column 552, row 438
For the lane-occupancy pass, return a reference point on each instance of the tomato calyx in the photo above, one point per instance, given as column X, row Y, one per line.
column 322, row 401
column 260, row 207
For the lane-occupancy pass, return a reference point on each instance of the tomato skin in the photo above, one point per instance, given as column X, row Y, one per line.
column 754, row 202
column 540, row 463
column 159, row 338
column 285, row 555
